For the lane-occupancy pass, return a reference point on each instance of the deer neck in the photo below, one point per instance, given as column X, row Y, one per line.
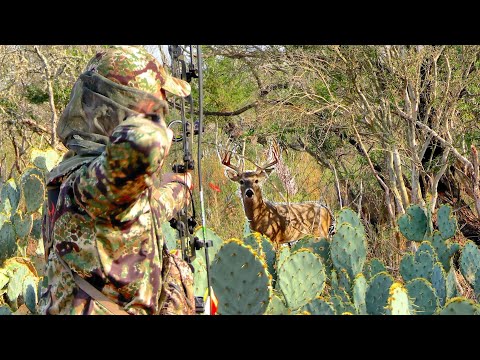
column 254, row 207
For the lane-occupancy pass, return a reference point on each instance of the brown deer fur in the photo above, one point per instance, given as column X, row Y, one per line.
column 281, row 222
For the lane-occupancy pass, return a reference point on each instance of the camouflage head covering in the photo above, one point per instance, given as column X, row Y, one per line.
column 118, row 82
column 133, row 66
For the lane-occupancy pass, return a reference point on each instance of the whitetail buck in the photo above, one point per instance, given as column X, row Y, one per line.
column 281, row 222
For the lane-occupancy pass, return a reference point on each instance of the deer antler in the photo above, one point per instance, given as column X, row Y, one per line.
column 275, row 154
column 226, row 159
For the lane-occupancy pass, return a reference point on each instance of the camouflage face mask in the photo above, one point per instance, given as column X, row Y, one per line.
column 97, row 105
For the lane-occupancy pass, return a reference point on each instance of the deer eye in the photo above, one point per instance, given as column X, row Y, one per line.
column 256, row 181
column 241, row 182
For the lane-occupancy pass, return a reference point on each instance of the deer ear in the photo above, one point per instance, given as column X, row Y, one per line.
column 232, row 175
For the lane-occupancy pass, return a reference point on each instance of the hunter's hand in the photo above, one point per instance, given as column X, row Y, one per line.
column 184, row 177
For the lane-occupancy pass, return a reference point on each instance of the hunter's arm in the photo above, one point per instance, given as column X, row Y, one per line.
column 118, row 177
column 171, row 196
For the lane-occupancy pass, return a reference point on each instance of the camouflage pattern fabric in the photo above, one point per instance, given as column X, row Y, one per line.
column 134, row 67
column 101, row 225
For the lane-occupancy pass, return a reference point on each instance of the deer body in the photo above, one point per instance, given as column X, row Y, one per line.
column 283, row 223
column 280, row 222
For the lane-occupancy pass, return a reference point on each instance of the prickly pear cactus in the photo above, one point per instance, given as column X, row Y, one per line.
column 413, row 224
column 344, row 281
column 423, row 296
column 319, row 306
column 398, row 302
column 34, row 192
column 301, row 277
column 20, row 273
column 276, row 306
column 459, row 306
column 348, row 249
column 216, row 240
column 36, row 232
column 319, row 246
column 45, row 160
column 200, row 281
column 427, row 247
column 451, row 284
column 359, row 293
column 22, row 224
column 240, row 280
column 282, row 254
column 446, row 222
column 419, row 265
column 477, row 285
column 8, row 244
column 350, row 217
column 29, row 292
column 261, row 244
column 342, row 306
column 470, row 261
column 439, row 283
column 373, row 267
column 170, row 235
column 444, row 250
column 32, row 171
column 10, row 195
column 377, row 293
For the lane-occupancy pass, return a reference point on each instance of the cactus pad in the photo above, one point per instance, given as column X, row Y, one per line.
column 470, row 261
column 44, row 160
column 240, row 280
column 413, row 224
column 444, row 251
column 9, row 197
column 459, row 306
column 359, row 292
column 36, row 229
column 341, row 306
column 446, row 222
column 216, row 240
column 8, row 244
column 348, row 249
column 419, row 265
column 373, row 267
column 439, row 283
column 423, row 296
column 301, row 277
column 282, row 254
column 319, row 306
column 398, row 302
column 427, row 246
column 22, row 224
column 276, row 306
column 170, row 236
column 32, row 171
column 34, row 192
column 377, row 293
column 350, row 217
column 319, row 246
column 451, row 284
column 29, row 291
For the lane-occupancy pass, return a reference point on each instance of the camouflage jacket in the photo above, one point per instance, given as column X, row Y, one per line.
column 102, row 229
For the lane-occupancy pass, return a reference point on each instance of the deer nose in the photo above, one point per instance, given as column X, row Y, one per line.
column 249, row 193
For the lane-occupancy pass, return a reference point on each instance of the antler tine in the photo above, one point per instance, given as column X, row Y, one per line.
column 227, row 157
column 275, row 153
